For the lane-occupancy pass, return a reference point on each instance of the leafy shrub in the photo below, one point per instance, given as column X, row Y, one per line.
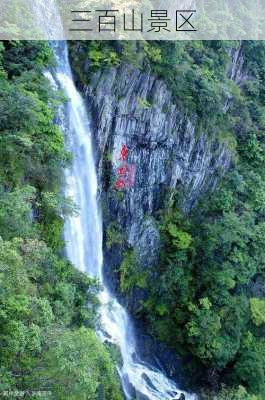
column 131, row 275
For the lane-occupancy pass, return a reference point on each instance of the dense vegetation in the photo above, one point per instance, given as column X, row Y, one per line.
column 47, row 308
column 209, row 299
column 195, row 71
column 206, row 297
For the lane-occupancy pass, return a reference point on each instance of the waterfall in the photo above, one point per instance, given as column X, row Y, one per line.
column 83, row 238
column 83, row 235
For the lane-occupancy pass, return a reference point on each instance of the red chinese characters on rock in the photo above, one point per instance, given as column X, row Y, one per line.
column 124, row 152
column 125, row 171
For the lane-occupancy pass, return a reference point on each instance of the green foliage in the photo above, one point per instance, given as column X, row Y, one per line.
column 257, row 307
column 77, row 366
column 39, row 291
column 30, row 144
column 15, row 212
column 96, row 54
column 153, row 53
column 101, row 56
column 209, row 334
column 205, row 299
column 45, row 303
column 201, row 295
column 249, row 368
column 132, row 52
column 225, row 393
column 181, row 239
column 131, row 275
column 114, row 236
column 53, row 207
column 143, row 103
column 195, row 72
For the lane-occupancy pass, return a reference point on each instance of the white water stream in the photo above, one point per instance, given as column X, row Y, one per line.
column 83, row 237
column 83, row 234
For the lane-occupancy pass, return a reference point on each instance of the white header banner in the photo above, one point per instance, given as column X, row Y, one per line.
column 132, row 19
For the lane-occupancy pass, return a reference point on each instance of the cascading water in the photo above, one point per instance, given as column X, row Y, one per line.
column 83, row 236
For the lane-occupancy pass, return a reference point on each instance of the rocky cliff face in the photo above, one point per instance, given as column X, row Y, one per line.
column 171, row 156
column 133, row 108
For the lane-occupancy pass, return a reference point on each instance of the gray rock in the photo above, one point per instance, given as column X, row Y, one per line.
column 134, row 108
column 162, row 143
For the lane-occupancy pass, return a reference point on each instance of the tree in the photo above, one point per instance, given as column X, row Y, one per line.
column 257, row 307
column 76, row 367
